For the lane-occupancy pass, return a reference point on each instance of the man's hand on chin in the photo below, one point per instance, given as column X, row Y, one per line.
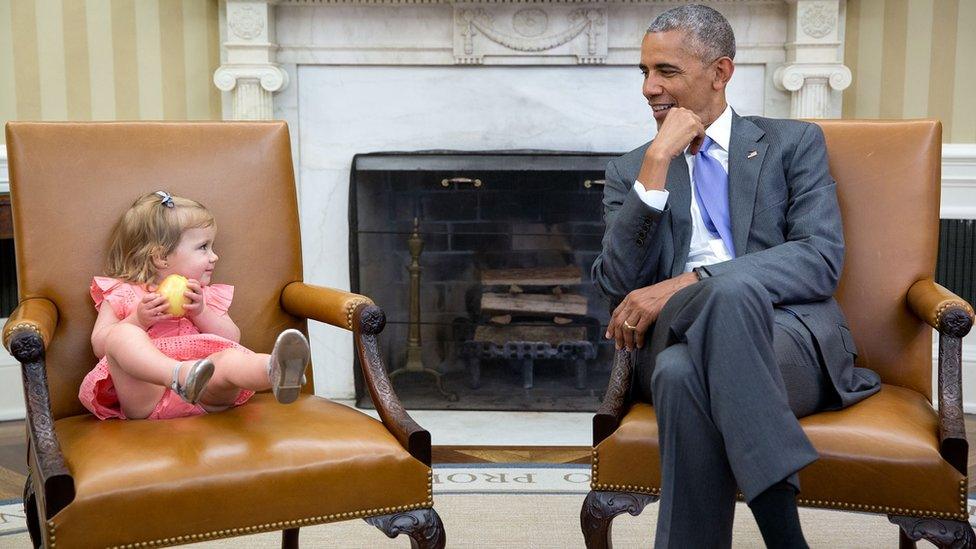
column 682, row 129
column 641, row 308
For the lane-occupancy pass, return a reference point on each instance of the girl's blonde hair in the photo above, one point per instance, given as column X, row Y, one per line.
column 151, row 228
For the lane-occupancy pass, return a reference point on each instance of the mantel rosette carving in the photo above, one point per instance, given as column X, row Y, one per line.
column 527, row 32
column 817, row 20
column 793, row 77
column 245, row 22
column 272, row 77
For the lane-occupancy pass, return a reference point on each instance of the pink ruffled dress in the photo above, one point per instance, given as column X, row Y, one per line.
column 178, row 338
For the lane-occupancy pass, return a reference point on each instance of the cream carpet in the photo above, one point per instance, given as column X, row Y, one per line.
column 478, row 520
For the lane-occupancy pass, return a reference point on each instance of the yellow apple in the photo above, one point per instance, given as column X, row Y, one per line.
column 172, row 287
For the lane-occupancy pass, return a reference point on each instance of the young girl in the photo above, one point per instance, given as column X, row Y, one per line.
column 154, row 365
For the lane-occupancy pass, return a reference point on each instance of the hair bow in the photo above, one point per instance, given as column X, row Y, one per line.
column 167, row 199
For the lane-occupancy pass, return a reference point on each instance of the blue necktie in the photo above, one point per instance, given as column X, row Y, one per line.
column 712, row 194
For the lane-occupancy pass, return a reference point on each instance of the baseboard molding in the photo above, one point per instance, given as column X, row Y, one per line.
column 11, row 382
column 4, row 176
column 11, row 388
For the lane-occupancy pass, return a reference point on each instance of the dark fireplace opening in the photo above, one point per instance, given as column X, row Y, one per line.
column 481, row 262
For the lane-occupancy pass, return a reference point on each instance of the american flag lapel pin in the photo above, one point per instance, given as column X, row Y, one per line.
column 752, row 154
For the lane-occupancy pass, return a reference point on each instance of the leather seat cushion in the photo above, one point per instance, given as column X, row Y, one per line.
column 261, row 466
column 880, row 455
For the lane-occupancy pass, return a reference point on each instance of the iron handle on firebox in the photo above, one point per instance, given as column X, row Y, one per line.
column 447, row 182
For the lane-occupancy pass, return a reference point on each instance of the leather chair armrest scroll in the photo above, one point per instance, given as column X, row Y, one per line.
column 940, row 308
column 368, row 321
column 36, row 314
column 953, row 318
column 616, row 399
column 26, row 334
column 327, row 305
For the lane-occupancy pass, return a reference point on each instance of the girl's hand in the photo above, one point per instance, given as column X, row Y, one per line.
column 152, row 309
column 198, row 303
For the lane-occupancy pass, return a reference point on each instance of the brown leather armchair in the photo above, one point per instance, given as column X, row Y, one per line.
column 892, row 453
column 259, row 467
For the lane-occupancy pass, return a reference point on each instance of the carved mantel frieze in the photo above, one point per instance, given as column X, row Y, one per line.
column 511, row 31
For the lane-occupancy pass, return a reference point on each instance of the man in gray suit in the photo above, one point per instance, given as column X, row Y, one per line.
column 722, row 251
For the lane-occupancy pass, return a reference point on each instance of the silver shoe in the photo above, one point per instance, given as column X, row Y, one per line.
column 286, row 367
column 196, row 380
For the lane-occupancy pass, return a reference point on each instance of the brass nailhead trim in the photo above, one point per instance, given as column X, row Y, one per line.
column 961, row 515
column 351, row 308
column 280, row 525
column 271, row 526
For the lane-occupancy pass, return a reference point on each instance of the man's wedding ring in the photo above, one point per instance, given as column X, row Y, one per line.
column 629, row 326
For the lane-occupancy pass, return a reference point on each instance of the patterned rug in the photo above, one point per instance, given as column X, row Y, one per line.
column 12, row 519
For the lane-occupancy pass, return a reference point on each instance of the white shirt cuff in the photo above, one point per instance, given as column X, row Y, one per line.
column 655, row 199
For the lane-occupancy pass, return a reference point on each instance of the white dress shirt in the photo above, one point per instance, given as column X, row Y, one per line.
column 705, row 248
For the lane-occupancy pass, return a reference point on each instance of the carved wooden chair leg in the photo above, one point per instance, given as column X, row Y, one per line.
column 30, row 512
column 599, row 510
column 955, row 534
column 905, row 542
column 289, row 538
column 423, row 526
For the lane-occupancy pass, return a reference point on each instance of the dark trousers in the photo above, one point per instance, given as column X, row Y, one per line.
column 728, row 376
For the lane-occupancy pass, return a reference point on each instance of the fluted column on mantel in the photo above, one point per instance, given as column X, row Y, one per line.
column 811, row 84
column 250, row 72
column 814, row 64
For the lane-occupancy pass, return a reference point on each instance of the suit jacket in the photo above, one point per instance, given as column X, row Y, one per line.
column 786, row 229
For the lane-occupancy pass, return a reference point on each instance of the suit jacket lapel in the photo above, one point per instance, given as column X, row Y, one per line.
column 678, row 186
column 743, row 177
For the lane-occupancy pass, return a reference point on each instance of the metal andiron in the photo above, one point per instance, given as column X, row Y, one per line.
column 415, row 362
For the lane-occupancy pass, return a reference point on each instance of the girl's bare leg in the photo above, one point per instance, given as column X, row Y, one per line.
column 235, row 370
column 140, row 372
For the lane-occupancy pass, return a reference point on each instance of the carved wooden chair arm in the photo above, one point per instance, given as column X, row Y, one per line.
column 616, row 399
column 358, row 313
column 27, row 333
column 368, row 322
column 953, row 318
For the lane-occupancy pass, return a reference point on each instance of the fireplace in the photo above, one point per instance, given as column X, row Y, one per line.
column 493, row 251
column 395, row 75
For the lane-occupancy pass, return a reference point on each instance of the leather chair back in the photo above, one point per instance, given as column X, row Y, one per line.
column 71, row 182
column 888, row 177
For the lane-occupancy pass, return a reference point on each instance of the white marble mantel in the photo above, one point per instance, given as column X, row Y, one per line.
column 369, row 75
column 799, row 41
